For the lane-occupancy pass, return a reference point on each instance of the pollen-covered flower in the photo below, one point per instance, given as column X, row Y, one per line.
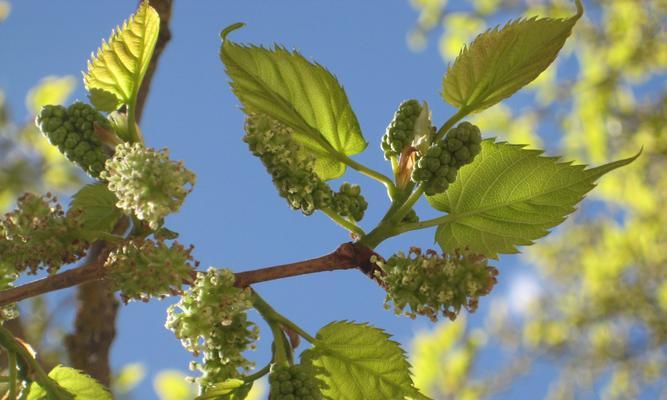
column 146, row 182
column 211, row 320
column 429, row 283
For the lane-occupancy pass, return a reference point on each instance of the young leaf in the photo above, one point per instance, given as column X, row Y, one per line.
column 500, row 61
column 510, row 196
column 82, row 386
column 299, row 94
column 360, row 362
column 119, row 66
column 98, row 206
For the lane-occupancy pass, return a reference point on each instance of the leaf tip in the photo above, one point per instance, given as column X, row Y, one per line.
column 230, row 28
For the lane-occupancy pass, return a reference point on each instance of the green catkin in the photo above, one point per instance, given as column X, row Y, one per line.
column 429, row 284
column 39, row 234
column 72, row 130
column 292, row 170
column 438, row 167
column 211, row 320
column 142, row 269
column 400, row 132
column 294, row 382
column 349, row 203
column 146, row 182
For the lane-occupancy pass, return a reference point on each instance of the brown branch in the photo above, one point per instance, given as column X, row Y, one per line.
column 73, row 277
column 163, row 8
column 346, row 256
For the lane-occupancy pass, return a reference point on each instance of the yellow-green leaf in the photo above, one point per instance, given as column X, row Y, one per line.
column 358, row 361
column 501, row 61
column 302, row 95
column 120, row 64
column 82, row 386
column 509, row 197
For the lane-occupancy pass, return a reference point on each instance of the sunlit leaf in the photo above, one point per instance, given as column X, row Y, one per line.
column 360, row 362
column 121, row 63
column 509, row 197
column 82, row 386
column 504, row 59
column 300, row 94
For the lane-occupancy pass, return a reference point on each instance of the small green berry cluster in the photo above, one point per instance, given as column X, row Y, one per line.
column 439, row 165
column 146, row 182
column 72, row 130
column 410, row 217
column 348, row 202
column 211, row 319
column 294, row 382
column 400, row 132
column 142, row 269
column 39, row 234
column 291, row 168
column 430, row 283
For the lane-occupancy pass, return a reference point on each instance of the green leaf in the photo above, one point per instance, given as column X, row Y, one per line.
column 98, row 205
column 82, row 386
column 299, row 94
column 120, row 64
column 359, row 361
column 510, row 196
column 230, row 389
column 500, row 61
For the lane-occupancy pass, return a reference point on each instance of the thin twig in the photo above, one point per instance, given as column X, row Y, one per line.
column 346, row 256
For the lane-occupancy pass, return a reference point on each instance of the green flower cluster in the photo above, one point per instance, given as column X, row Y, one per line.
column 400, row 132
column 142, row 269
column 146, row 182
column 292, row 169
column 348, row 202
column 72, row 130
column 294, row 382
column 439, row 165
column 39, row 234
column 430, row 283
column 211, row 319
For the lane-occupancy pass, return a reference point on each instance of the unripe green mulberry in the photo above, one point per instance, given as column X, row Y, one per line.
column 292, row 169
column 39, row 234
column 438, row 166
column 146, row 182
column 142, row 269
column 348, row 202
column 464, row 143
column 400, row 132
column 211, row 319
column 430, row 284
column 72, row 130
column 294, row 382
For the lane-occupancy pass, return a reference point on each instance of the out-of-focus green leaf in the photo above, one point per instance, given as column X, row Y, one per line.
column 172, row 385
column 50, row 90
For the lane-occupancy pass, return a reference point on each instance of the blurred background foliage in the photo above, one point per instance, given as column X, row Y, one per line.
column 599, row 315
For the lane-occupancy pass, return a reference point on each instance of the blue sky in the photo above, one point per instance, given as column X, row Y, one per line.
column 234, row 216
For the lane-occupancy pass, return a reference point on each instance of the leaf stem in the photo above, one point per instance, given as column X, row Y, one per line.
column 54, row 390
column 422, row 224
column 378, row 176
column 460, row 114
column 258, row 374
column 407, row 206
column 11, row 365
column 350, row 226
column 271, row 314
